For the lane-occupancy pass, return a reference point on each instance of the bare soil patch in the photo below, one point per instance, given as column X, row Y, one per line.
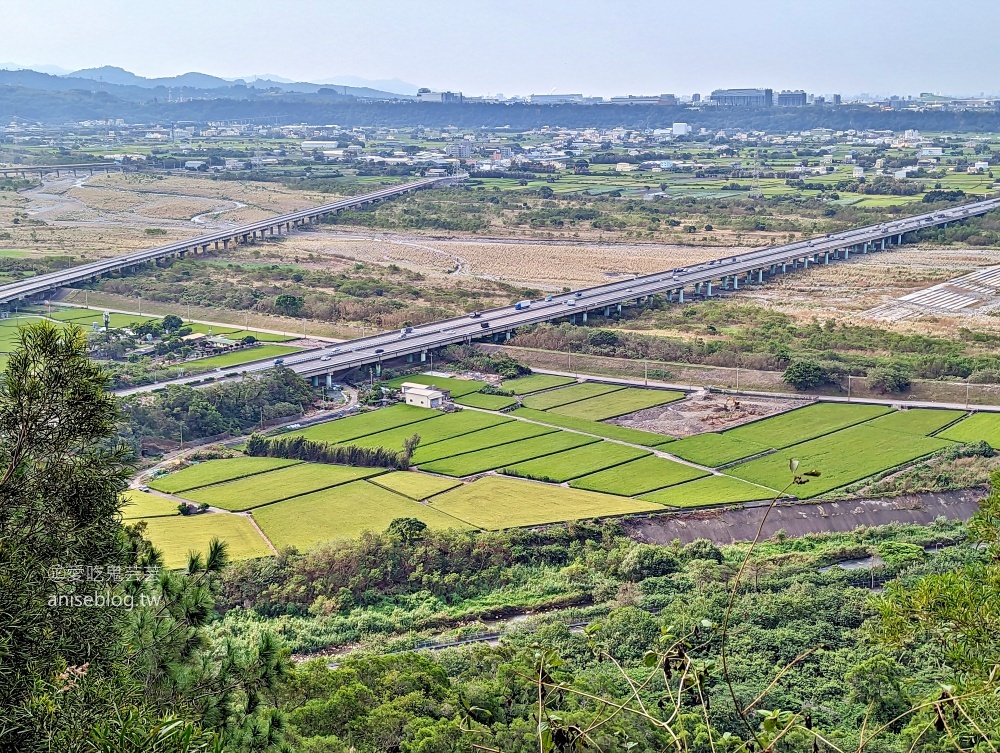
column 705, row 411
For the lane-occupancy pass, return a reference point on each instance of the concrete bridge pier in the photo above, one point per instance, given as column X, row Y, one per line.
column 315, row 381
column 736, row 282
column 899, row 239
column 760, row 275
column 620, row 306
column 409, row 358
column 708, row 289
column 583, row 318
column 329, row 380
column 510, row 333
column 423, row 356
column 697, row 288
column 378, row 368
column 607, row 310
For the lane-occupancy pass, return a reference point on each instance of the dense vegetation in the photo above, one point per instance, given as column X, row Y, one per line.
column 300, row 448
column 381, row 296
column 183, row 412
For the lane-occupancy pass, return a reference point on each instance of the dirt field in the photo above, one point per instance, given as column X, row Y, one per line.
column 549, row 265
column 705, row 411
column 846, row 289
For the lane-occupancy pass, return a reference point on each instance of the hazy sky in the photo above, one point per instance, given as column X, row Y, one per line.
column 596, row 47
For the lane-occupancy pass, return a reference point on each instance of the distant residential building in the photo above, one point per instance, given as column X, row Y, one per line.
column 983, row 165
column 695, row 98
column 879, row 163
column 931, row 151
column 681, row 129
column 461, row 150
column 657, row 99
column 555, row 99
column 426, row 95
column 859, row 172
column 792, row 98
column 624, row 167
column 837, row 100
column 743, row 97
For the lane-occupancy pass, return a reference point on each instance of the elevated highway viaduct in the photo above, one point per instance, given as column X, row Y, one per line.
column 24, row 289
column 23, row 171
column 677, row 285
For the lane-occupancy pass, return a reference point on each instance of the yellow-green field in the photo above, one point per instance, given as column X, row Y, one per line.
column 179, row 535
column 496, row 502
column 342, row 512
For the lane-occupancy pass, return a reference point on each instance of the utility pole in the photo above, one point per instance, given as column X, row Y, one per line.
column 848, row 388
column 968, row 386
column 737, row 378
column 645, row 372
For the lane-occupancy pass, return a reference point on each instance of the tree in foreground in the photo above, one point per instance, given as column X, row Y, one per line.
column 101, row 650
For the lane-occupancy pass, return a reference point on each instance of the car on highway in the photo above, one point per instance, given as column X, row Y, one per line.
column 324, row 358
column 628, row 290
column 334, row 350
column 578, row 294
column 475, row 315
column 570, row 302
column 484, row 325
column 279, row 361
column 548, row 298
column 380, row 350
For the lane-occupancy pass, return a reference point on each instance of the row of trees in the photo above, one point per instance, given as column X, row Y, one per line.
column 300, row 448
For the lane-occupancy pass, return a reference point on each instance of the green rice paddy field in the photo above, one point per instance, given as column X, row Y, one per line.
column 639, row 476
column 487, row 402
column 841, row 458
column 617, row 403
column 284, row 483
column 535, row 383
column 566, row 395
column 303, row 504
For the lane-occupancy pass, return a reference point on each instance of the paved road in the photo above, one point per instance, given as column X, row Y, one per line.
column 21, row 289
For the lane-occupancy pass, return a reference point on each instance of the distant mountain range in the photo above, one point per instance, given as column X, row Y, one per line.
column 128, row 85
